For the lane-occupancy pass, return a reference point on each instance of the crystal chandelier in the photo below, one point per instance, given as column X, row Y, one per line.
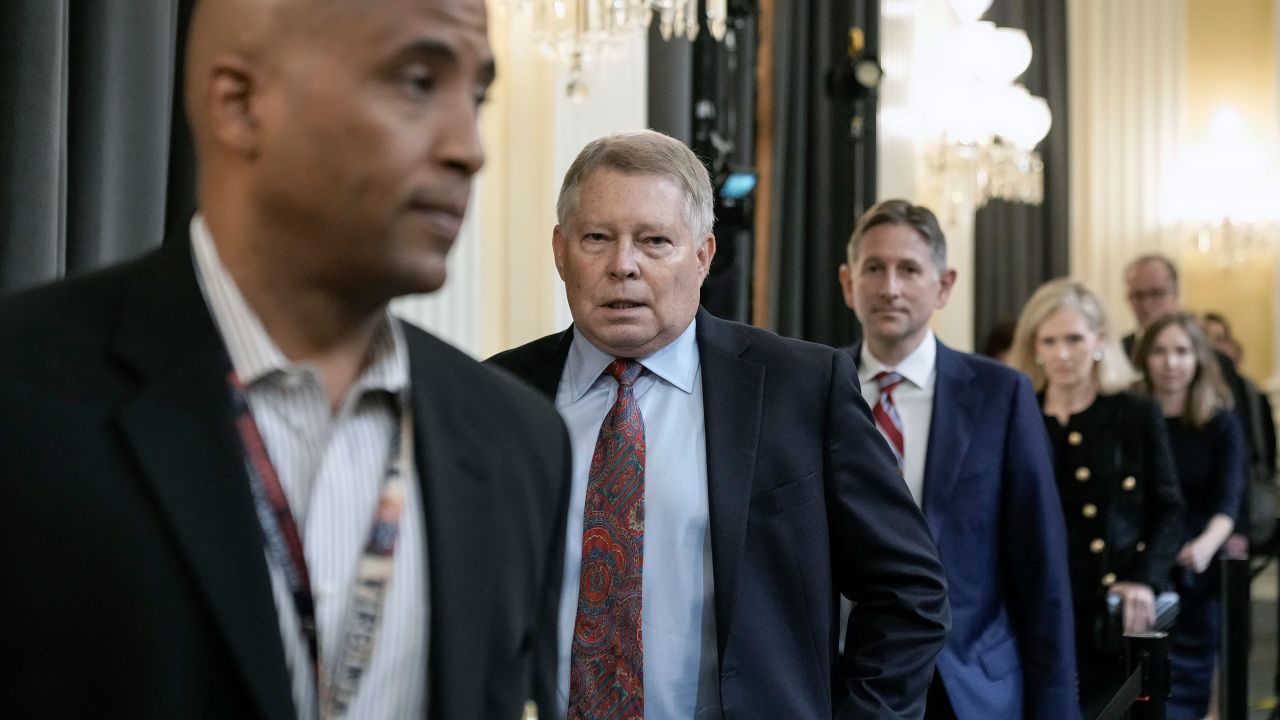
column 582, row 33
column 986, row 126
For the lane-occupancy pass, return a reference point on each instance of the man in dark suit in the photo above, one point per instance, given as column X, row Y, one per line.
column 232, row 485
column 970, row 437
column 739, row 470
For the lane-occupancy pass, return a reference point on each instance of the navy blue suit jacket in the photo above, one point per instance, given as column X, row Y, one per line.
column 992, row 507
column 806, row 504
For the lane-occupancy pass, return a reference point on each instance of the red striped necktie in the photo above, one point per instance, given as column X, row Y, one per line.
column 607, row 656
column 886, row 413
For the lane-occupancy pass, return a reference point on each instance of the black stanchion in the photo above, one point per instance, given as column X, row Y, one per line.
column 1149, row 652
column 1234, row 685
column 1144, row 694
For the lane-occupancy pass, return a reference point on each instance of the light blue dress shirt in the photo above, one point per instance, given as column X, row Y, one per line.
column 681, row 676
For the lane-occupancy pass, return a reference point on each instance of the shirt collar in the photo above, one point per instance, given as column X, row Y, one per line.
column 676, row 363
column 916, row 368
column 255, row 356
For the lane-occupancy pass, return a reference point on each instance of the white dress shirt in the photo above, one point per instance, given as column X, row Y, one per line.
column 331, row 466
column 681, row 676
column 914, row 400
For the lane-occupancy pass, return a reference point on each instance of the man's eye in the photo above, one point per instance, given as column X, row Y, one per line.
column 420, row 82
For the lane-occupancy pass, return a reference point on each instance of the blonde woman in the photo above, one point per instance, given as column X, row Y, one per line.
column 1182, row 373
column 1114, row 471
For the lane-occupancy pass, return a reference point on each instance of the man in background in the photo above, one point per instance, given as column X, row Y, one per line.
column 231, row 484
column 967, row 435
column 728, row 484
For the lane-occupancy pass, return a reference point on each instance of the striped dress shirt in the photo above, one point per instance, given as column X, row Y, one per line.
column 331, row 465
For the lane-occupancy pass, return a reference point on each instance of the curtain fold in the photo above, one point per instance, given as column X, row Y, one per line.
column 815, row 200
column 88, row 116
column 1019, row 247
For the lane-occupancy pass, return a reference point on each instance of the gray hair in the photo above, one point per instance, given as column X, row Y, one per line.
column 644, row 152
column 901, row 212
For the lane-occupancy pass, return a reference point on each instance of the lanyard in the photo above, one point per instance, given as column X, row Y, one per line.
column 284, row 542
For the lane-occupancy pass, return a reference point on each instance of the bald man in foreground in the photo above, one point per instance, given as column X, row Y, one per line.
column 231, row 484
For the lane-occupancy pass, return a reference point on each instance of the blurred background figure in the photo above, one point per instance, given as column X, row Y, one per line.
column 999, row 341
column 1114, row 472
column 1209, row 452
column 1256, row 520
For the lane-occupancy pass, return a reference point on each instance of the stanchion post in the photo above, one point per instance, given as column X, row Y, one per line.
column 1151, row 651
column 1234, row 685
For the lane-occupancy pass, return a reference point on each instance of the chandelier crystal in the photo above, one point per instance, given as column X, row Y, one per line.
column 585, row 33
column 986, row 126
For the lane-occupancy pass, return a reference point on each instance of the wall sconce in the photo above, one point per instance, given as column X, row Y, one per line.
column 1223, row 192
column 583, row 33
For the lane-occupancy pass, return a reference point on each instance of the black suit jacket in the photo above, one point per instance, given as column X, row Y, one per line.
column 806, row 503
column 133, row 565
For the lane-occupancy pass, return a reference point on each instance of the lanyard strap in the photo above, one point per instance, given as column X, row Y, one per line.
column 284, row 542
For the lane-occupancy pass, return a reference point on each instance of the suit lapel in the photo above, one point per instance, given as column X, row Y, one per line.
column 956, row 401
column 179, row 427
column 455, row 493
column 733, row 398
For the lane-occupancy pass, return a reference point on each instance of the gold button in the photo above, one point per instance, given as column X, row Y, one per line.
column 1089, row 510
column 1097, row 546
column 1141, row 546
column 1082, row 474
column 1108, row 580
column 1074, row 438
column 1129, row 483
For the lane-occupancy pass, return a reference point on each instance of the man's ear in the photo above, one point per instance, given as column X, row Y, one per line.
column 232, row 105
column 558, row 248
column 945, row 284
column 706, row 253
column 846, row 284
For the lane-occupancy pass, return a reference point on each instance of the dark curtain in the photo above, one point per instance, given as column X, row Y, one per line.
column 820, row 182
column 89, row 171
column 1018, row 247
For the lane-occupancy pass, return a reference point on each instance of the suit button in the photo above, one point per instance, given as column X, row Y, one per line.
column 1097, row 546
column 1083, row 474
column 1141, row 546
column 1089, row 510
column 1108, row 580
column 1074, row 439
column 1129, row 483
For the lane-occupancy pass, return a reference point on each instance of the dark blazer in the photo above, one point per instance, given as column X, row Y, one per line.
column 806, row 504
column 135, row 578
column 1123, row 507
column 993, row 509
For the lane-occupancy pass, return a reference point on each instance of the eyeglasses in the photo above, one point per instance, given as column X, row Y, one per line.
column 1160, row 293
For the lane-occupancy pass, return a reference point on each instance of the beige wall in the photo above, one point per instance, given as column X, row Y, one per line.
column 1231, row 60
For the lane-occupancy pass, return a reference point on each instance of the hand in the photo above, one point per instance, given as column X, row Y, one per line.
column 1237, row 546
column 1196, row 555
column 1138, row 606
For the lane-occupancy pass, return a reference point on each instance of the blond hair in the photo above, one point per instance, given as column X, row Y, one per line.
column 1112, row 372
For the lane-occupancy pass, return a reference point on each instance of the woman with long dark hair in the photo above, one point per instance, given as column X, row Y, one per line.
column 1181, row 373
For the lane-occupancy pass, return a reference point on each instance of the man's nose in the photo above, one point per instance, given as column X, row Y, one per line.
column 460, row 146
column 622, row 259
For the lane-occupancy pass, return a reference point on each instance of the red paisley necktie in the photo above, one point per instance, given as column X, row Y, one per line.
column 606, row 677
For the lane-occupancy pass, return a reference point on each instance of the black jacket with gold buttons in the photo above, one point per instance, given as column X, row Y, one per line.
column 1120, row 495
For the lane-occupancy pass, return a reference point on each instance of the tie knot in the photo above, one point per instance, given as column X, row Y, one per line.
column 888, row 380
column 625, row 371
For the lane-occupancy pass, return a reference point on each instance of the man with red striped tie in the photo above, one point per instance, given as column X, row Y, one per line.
column 969, row 442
